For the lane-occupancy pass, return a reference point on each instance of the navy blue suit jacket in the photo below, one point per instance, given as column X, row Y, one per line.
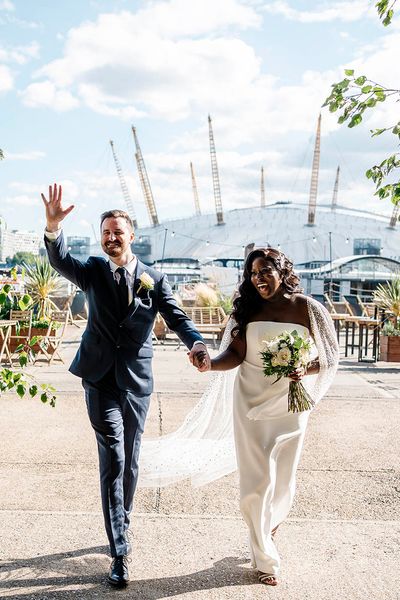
column 111, row 339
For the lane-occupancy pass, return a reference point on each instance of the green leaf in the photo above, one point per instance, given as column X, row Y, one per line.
column 366, row 89
column 377, row 132
column 43, row 397
column 360, row 80
column 25, row 302
column 23, row 359
column 33, row 390
column 356, row 120
column 349, row 72
column 3, row 298
column 33, row 340
column 21, row 390
column 7, row 288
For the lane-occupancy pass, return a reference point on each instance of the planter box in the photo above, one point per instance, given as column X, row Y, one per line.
column 390, row 348
column 35, row 331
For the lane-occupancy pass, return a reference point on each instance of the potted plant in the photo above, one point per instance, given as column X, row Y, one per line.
column 41, row 281
column 388, row 297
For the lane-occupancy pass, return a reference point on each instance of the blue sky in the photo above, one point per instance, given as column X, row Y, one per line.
column 75, row 74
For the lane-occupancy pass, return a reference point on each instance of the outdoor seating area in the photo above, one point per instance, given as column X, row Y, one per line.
column 210, row 321
column 18, row 332
column 358, row 325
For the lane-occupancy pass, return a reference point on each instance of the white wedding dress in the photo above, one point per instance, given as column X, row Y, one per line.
column 243, row 408
column 268, row 443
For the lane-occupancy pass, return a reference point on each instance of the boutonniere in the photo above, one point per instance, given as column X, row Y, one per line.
column 146, row 283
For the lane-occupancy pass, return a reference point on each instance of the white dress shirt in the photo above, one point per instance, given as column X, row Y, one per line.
column 130, row 269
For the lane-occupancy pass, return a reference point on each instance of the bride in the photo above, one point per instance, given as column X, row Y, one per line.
column 267, row 438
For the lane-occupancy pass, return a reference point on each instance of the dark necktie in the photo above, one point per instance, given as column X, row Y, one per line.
column 122, row 288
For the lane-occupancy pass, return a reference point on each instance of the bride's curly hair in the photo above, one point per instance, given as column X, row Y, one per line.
column 248, row 302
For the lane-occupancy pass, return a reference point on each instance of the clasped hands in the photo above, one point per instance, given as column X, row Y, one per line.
column 200, row 358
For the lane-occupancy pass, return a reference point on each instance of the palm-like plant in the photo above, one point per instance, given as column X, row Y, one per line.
column 388, row 297
column 41, row 281
column 205, row 295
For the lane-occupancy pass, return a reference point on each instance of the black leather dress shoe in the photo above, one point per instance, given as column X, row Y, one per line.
column 119, row 574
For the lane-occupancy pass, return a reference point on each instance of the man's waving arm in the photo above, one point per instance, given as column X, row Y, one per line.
column 59, row 257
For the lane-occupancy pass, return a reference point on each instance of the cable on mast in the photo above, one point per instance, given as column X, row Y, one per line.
column 145, row 182
column 215, row 176
column 124, row 187
column 195, row 193
column 314, row 176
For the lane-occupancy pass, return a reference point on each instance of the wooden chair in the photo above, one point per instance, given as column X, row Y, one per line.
column 160, row 329
column 208, row 319
column 336, row 308
column 50, row 342
column 368, row 309
column 22, row 334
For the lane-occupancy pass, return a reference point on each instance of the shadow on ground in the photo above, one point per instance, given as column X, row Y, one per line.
column 82, row 574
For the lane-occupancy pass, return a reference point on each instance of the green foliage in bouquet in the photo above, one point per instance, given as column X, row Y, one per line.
column 283, row 355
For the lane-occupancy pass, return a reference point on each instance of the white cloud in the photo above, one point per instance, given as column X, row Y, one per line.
column 25, row 188
column 20, row 54
column 7, row 5
column 30, row 155
column 6, row 79
column 162, row 61
column 379, row 62
column 46, row 94
column 21, row 200
column 347, row 10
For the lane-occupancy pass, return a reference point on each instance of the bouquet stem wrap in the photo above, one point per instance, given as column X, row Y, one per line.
column 298, row 398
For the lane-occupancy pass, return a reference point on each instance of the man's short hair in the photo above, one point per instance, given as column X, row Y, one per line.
column 115, row 213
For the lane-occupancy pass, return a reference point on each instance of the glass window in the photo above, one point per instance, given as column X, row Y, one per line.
column 367, row 246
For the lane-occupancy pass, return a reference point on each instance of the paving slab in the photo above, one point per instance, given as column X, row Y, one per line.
column 196, row 557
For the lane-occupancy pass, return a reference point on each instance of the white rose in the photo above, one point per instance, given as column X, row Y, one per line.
column 284, row 355
column 275, row 361
column 273, row 347
column 304, row 356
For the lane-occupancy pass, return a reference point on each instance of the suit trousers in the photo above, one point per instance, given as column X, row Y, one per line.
column 118, row 418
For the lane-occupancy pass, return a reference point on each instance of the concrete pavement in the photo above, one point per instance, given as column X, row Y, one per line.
column 341, row 540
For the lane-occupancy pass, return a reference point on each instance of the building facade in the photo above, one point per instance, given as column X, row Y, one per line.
column 13, row 241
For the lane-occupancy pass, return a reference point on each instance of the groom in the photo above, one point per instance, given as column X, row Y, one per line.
column 114, row 357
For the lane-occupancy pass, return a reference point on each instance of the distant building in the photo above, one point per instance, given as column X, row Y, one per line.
column 336, row 233
column 79, row 247
column 13, row 241
column 356, row 275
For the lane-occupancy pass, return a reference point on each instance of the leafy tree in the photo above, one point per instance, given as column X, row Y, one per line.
column 21, row 258
column 356, row 94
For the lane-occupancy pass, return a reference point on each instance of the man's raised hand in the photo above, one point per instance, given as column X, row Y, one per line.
column 55, row 213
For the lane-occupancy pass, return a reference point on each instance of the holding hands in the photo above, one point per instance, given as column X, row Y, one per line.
column 55, row 213
column 200, row 358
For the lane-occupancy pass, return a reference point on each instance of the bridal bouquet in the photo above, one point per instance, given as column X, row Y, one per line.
column 281, row 356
